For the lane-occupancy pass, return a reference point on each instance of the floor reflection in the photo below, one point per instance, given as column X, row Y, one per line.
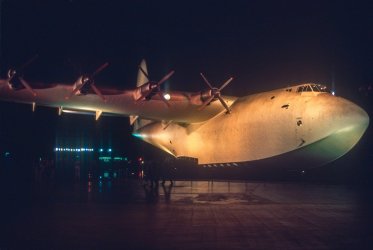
column 185, row 214
column 167, row 188
column 152, row 191
column 129, row 191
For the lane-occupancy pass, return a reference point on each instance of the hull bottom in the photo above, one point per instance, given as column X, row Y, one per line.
column 311, row 156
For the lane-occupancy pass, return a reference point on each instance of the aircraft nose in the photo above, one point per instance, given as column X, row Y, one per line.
column 351, row 116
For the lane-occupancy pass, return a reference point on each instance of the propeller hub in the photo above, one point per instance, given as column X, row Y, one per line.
column 85, row 79
column 214, row 94
column 153, row 85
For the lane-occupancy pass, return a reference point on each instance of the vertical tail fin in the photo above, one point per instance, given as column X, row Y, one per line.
column 142, row 74
column 142, row 78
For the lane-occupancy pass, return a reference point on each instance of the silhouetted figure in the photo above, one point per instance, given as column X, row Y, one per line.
column 167, row 170
column 151, row 171
column 167, row 191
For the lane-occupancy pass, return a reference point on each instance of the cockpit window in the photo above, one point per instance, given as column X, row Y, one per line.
column 312, row 88
column 323, row 88
column 315, row 88
column 300, row 89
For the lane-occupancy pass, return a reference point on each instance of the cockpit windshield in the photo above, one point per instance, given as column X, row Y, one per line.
column 311, row 87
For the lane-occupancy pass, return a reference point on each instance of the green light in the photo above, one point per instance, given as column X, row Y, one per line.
column 105, row 158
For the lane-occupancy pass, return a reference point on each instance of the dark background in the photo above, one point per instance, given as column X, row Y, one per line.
column 263, row 44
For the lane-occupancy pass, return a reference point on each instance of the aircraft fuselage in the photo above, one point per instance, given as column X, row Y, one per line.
column 313, row 127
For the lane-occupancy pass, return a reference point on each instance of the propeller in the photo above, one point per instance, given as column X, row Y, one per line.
column 12, row 73
column 27, row 86
column 215, row 94
column 89, row 81
column 152, row 88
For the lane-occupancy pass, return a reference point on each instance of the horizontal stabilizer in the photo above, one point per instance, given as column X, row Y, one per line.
column 139, row 123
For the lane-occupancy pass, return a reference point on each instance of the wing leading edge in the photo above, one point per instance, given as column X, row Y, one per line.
column 181, row 107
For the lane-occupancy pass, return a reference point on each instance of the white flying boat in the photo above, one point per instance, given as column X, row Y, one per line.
column 300, row 126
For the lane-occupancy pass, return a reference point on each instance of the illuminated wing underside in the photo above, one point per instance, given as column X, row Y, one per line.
column 183, row 106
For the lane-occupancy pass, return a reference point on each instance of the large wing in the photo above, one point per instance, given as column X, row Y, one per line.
column 184, row 107
column 153, row 104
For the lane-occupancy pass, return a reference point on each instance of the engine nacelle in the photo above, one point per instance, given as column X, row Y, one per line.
column 82, row 80
column 147, row 90
column 205, row 95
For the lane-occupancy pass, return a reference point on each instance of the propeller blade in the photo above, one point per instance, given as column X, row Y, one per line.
column 206, row 102
column 99, row 69
column 18, row 71
column 98, row 92
column 164, row 99
column 224, row 104
column 206, row 81
column 225, row 84
column 28, row 62
column 165, row 78
column 27, row 86
column 143, row 71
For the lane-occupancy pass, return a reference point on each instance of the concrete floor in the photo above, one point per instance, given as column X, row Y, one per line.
column 188, row 215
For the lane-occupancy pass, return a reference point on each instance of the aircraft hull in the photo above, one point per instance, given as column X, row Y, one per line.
column 272, row 128
column 313, row 155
